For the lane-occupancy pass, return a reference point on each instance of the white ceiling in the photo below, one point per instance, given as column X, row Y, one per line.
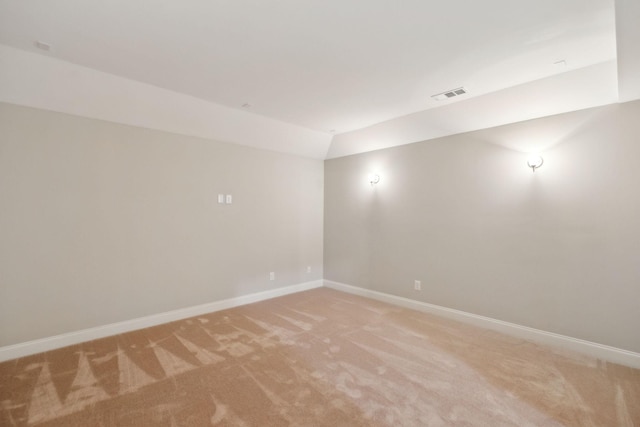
column 323, row 65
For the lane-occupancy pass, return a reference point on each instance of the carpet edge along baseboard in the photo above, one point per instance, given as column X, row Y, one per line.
column 28, row 348
column 599, row 351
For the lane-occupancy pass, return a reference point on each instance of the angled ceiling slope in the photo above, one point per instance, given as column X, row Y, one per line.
column 362, row 70
column 39, row 81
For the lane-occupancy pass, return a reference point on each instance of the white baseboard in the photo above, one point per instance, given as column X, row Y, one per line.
column 58, row 341
column 599, row 351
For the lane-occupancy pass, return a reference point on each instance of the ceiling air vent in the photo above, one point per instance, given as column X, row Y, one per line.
column 449, row 94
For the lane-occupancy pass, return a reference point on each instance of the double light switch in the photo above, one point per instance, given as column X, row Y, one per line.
column 222, row 199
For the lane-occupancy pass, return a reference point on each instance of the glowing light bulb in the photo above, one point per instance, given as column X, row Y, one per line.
column 535, row 161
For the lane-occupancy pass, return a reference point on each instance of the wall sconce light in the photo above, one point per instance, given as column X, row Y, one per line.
column 535, row 162
column 374, row 178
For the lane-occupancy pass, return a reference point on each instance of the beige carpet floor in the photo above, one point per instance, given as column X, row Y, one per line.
column 316, row 358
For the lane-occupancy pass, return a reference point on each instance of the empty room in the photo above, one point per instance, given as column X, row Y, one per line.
column 320, row 213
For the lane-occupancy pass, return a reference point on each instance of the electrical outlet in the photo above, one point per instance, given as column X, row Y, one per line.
column 272, row 275
column 417, row 285
column 309, row 269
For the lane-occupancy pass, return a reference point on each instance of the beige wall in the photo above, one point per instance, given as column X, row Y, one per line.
column 558, row 250
column 102, row 222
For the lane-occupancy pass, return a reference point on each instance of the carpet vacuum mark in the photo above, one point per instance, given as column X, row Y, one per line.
column 316, row 358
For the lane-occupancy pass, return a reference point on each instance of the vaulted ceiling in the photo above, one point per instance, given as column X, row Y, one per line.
column 318, row 78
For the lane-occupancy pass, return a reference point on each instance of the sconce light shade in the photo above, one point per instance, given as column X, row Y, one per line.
column 374, row 178
column 535, row 162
